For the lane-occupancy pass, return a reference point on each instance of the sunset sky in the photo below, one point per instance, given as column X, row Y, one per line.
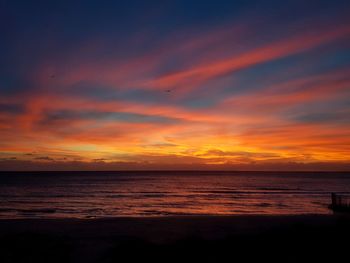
column 108, row 85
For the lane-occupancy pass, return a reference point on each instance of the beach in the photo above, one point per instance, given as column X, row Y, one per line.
column 294, row 238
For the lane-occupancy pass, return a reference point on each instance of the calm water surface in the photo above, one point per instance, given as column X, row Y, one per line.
column 110, row 194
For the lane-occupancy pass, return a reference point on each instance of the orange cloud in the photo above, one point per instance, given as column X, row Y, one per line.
column 283, row 48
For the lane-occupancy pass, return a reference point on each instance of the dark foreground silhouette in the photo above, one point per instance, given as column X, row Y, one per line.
column 177, row 239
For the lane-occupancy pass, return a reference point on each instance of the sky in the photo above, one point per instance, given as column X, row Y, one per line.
column 130, row 85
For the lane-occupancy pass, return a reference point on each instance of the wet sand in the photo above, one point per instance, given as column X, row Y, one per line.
column 306, row 238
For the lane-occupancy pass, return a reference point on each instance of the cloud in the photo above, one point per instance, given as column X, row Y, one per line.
column 286, row 47
column 44, row 158
column 324, row 117
column 197, row 90
column 127, row 117
column 99, row 160
column 15, row 165
column 239, row 154
column 11, row 108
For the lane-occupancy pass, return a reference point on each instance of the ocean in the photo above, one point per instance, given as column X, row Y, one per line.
column 164, row 193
